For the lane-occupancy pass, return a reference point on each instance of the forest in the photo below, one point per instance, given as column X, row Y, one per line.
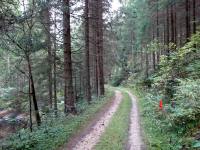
column 99, row 74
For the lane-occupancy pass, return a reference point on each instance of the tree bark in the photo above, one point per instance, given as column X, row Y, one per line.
column 153, row 53
column 87, row 53
column 157, row 31
column 194, row 16
column 100, row 47
column 68, row 90
column 172, row 23
column 55, row 70
column 30, row 105
column 93, row 19
column 187, row 19
column 175, row 25
column 47, row 23
column 37, row 115
column 167, row 34
column 147, row 65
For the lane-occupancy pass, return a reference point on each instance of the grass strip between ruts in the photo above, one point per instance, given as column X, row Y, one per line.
column 116, row 135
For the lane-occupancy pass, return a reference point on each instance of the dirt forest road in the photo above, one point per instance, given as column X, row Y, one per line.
column 135, row 139
column 88, row 141
column 93, row 134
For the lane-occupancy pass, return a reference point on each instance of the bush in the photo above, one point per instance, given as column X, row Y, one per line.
column 7, row 93
column 183, row 63
column 187, row 99
column 55, row 130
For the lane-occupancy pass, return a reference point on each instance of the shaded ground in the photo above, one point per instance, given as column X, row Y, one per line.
column 92, row 133
column 10, row 122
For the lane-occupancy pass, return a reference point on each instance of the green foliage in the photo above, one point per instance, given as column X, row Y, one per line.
column 118, row 78
column 180, row 64
column 196, row 144
column 7, row 93
column 55, row 130
column 155, row 46
column 187, row 104
column 177, row 83
column 155, row 123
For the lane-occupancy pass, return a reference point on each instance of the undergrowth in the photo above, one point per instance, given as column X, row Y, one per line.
column 160, row 130
column 53, row 133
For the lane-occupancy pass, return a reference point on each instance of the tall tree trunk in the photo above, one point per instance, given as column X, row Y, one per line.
column 153, row 53
column 180, row 32
column 87, row 53
column 55, row 69
column 194, row 16
column 93, row 44
column 30, row 105
column 141, row 60
column 37, row 115
column 157, row 31
column 164, row 36
column 175, row 25
column 46, row 20
column 187, row 19
column 167, row 35
column 96, row 73
column 100, row 47
column 147, row 65
column 75, row 86
column 172, row 23
column 68, row 90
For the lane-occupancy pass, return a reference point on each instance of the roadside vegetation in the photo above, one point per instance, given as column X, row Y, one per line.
column 57, row 130
column 57, row 55
column 176, row 83
column 159, row 57
column 51, row 65
column 116, row 134
column 157, row 131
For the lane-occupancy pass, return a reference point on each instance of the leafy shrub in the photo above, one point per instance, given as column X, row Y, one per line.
column 119, row 77
column 7, row 93
column 187, row 98
column 180, row 64
column 55, row 130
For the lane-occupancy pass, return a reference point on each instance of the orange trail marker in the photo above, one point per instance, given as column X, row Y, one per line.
column 161, row 104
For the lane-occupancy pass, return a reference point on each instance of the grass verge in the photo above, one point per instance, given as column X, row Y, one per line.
column 116, row 134
column 54, row 132
column 157, row 132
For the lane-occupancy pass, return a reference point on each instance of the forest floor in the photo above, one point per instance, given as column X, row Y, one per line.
column 7, row 124
column 90, row 136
